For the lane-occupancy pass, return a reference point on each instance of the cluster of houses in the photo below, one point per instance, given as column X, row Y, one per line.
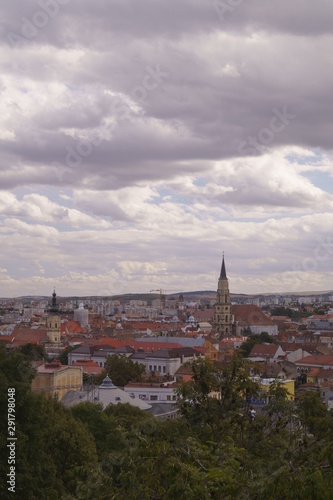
column 300, row 355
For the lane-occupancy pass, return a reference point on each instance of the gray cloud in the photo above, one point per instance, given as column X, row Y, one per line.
column 157, row 125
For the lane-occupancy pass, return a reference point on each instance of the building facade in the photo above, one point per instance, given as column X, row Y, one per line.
column 56, row 379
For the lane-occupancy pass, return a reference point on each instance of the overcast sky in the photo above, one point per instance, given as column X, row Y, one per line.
column 141, row 139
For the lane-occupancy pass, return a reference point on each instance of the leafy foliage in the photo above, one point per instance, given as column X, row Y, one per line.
column 34, row 352
column 50, row 442
column 63, row 358
column 122, row 370
column 212, row 451
column 252, row 340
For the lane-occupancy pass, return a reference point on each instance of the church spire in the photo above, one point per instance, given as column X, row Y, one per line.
column 222, row 314
column 54, row 305
column 223, row 273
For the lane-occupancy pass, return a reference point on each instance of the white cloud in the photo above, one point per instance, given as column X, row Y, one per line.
column 120, row 133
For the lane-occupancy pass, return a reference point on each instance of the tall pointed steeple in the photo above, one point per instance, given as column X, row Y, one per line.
column 223, row 273
column 222, row 315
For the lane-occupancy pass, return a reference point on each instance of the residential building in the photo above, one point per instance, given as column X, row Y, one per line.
column 249, row 318
column 152, row 393
column 23, row 336
column 265, row 384
column 89, row 366
column 304, row 365
column 107, row 393
column 266, row 353
column 56, row 379
column 165, row 361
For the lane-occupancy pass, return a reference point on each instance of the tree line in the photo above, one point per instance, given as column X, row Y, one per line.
column 212, row 451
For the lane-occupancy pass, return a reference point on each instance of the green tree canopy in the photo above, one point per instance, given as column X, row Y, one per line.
column 122, row 370
column 211, row 451
column 252, row 340
column 63, row 358
column 50, row 442
column 34, row 352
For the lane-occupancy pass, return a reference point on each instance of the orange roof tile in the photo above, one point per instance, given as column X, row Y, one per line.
column 22, row 336
column 72, row 327
column 89, row 366
column 247, row 315
column 104, row 341
column 324, row 360
column 263, row 350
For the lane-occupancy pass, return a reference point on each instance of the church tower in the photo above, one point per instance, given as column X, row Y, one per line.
column 53, row 322
column 222, row 315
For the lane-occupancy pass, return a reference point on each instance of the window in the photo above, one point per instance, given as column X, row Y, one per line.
column 164, row 369
column 226, row 318
column 173, row 398
column 153, row 397
column 151, row 368
column 155, row 368
column 169, row 398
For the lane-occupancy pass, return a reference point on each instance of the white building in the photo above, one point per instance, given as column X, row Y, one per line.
column 81, row 316
column 165, row 361
column 153, row 393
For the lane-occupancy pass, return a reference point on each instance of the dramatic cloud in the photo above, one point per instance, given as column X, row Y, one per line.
column 140, row 139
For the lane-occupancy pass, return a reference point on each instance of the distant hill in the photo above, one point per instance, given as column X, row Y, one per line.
column 195, row 295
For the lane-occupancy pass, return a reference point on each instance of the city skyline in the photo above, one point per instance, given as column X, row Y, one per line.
column 140, row 141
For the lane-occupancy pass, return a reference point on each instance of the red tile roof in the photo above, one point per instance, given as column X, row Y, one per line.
column 50, row 367
column 324, row 360
column 321, row 373
column 72, row 327
column 22, row 336
column 104, row 341
column 206, row 315
column 264, row 350
column 89, row 366
column 247, row 315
